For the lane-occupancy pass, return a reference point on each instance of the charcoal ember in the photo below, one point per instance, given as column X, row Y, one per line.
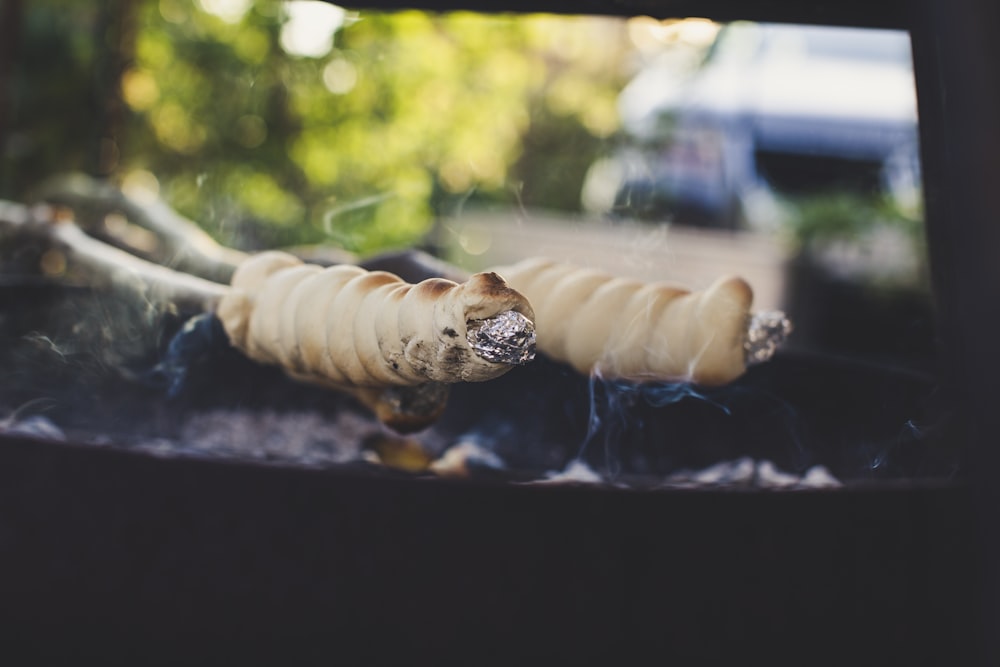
column 468, row 459
column 398, row 452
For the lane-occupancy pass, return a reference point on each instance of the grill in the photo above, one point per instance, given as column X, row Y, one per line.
column 125, row 556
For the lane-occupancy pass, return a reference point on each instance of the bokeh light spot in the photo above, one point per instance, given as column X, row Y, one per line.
column 310, row 26
column 251, row 131
column 340, row 76
column 139, row 89
column 230, row 11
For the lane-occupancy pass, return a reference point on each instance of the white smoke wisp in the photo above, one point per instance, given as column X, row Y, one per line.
column 615, row 409
column 44, row 342
column 695, row 359
column 20, row 422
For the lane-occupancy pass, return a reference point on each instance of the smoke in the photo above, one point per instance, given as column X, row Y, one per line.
column 617, row 410
column 21, row 422
column 643, row 432
column 340, row 222
column 910, row 450
column 42, row 342
column 199, row 338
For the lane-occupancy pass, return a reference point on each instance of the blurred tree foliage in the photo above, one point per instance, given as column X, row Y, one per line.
column 867, row 238
column 52, row 91
column 846, row 215
column 405, row 115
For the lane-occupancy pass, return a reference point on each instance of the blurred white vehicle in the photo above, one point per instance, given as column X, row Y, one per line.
column 773, row 108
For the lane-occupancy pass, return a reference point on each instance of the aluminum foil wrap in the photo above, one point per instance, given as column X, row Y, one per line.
column 506, row 338
column 766, row 331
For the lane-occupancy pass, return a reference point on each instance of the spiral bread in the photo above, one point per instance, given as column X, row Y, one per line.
column 348, row 327
column 629, row 329
column 394, row 346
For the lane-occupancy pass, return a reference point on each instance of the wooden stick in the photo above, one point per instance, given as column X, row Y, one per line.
column 37, row 242
column 174, row 241
column 64, row 253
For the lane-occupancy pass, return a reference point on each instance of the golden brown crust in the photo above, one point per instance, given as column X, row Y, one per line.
column 623, row 328
column 344, row 326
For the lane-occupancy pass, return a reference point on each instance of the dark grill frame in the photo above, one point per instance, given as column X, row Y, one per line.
column 117, row 555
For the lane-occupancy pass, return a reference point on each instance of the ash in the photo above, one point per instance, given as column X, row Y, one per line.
column 744, row 473
column 310, row 439
column 748, row 473
column 302, row 438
